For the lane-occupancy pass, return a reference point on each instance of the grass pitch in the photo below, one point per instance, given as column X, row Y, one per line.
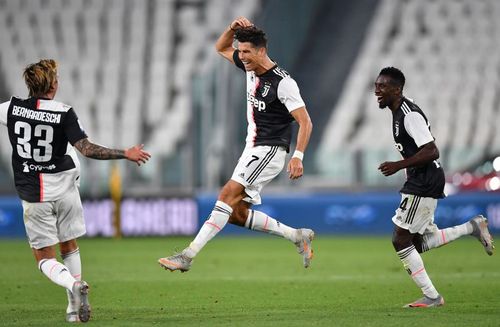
column 255, row 281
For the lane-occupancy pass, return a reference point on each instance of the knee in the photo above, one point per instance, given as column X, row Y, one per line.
column 225, row 195
column 231, row 194
column 239, row 216
column 400, row 243
column 68, row 246
column 395, row 242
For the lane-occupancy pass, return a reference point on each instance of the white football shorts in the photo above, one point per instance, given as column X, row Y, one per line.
column 416, row 214
column 256, row 167
column 49, row 223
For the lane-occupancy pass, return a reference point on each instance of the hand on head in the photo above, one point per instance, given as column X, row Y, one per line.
column 240, row 22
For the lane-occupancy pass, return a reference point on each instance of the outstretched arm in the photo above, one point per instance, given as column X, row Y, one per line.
column 427, row 153
column 96, row 151
column 224, row 44
column 295, row 167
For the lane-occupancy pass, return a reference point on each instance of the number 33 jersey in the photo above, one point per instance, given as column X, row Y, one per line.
column 41, row 133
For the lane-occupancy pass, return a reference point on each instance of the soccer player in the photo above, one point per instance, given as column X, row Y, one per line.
column 42, row 133
column 273, row 103
column 415, row 231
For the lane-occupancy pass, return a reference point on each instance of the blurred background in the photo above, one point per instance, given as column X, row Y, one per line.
column 140, row 71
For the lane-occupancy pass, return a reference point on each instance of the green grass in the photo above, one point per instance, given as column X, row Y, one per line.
column 353, row 281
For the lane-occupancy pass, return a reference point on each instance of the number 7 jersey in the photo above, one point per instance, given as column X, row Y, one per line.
column 41, row 133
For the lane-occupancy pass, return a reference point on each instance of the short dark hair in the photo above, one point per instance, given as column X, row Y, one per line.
column 253, row 35
column 395, row 74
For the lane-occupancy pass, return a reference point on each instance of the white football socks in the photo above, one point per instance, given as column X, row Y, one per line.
column 444, row 236
column 412, row 262
column 74, row 264
column 215, row 223
column 259, row 221
column 57, row 273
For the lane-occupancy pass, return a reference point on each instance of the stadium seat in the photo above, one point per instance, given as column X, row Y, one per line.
column 445, row 50
column 124, row 65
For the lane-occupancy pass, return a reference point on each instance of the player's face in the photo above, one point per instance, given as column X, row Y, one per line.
column 250, row 55
column 385, row 91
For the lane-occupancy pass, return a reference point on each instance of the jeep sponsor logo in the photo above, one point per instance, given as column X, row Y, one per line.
column 258, row 104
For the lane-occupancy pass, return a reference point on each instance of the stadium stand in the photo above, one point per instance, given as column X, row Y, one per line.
column 126, row 66
column 446, row 50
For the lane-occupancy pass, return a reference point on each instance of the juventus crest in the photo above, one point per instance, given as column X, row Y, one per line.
column 267, row 87
column 396, row 128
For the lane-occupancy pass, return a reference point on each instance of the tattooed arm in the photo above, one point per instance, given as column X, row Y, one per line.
column 95, row 151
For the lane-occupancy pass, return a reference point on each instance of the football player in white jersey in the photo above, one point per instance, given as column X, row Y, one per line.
column 415, row 231
column 273, row 104
column 42, row 133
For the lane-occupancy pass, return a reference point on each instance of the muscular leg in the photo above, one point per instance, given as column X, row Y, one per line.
column 68, row 247
column 231, row 207
column 48, row 252
column 231, row 194
column 71, row 258
column 440, row 237
column 54, row 270
column 70, row 253
column 402, row 241
column 401, row 238
column 256, row 220
column 418, row 241
column 240, row 213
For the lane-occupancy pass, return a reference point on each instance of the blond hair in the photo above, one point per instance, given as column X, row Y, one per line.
column 40, row 76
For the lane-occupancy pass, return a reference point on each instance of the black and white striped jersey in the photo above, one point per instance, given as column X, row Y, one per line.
column 411, row 130
column 44, row 163
column 271, row 97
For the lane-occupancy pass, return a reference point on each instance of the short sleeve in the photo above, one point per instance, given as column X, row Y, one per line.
column 72, row 128
column 418, row 129
column 4, row 108
column 237, row 61
column 289, row 94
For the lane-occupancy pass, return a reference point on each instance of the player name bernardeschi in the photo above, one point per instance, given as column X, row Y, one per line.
column 36, row 115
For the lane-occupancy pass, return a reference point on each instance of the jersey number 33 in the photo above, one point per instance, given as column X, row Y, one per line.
column 34, row 143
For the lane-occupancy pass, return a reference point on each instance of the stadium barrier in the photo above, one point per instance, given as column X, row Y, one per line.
column 139, row 217
column 363, row 213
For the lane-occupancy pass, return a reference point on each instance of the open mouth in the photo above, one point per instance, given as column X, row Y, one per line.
column 379, row 99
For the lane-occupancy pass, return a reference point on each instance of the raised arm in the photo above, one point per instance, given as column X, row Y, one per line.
column 295, row 167
column 96, row 151
column 224, row 44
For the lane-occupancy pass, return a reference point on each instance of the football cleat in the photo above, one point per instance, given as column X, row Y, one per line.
column 426, row 302
column 72, row 316
column 481, row 232
column 178, row 261
column 305, row 237
column 81, row 293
